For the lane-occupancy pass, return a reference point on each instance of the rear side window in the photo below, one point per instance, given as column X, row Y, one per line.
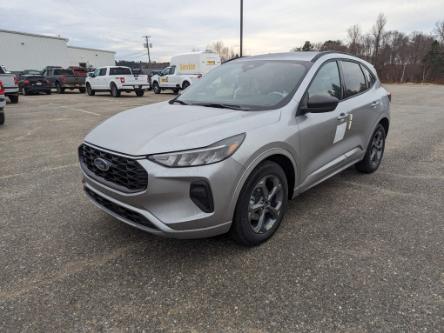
column 119, row 71
column 327, row 81
column 102, row 72
column 369, row 76
column 354, row 79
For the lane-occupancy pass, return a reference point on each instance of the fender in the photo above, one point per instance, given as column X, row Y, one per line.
column 253, row 164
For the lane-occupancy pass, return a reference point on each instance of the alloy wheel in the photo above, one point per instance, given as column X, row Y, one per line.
column 265, row 204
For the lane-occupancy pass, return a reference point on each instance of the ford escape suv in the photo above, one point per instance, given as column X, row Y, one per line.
column 228, row 153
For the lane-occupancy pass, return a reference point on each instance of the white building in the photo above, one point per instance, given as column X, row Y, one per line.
column 20, row 50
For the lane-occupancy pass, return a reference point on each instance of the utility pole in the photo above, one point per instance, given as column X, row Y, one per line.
column 147, row 45
column 241, row 26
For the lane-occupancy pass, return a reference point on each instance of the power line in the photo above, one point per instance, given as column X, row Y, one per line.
column 147, row 45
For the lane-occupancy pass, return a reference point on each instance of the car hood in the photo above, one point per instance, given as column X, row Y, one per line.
column 163, row 127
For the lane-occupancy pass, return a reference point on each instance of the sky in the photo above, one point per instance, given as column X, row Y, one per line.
column 178, row 26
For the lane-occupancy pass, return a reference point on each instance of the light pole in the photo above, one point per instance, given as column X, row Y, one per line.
column 241, row 26
column 147, row 45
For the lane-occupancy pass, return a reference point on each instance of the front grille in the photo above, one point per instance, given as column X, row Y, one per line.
column 124, row 174
column 119, row 210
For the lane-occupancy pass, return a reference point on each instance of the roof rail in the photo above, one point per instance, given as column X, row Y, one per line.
column 323, row 53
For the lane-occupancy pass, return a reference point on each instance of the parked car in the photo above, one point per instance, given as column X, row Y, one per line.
column 2, row 103
column 10, row 84
column 32, row 82
column 116, row 79
column 184, row 69
column 62, row 79
column 230, row 151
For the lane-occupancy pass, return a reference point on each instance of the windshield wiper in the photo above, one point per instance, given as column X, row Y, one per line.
column 223, row 106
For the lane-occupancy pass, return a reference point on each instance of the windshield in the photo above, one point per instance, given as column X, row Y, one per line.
column 252, row 85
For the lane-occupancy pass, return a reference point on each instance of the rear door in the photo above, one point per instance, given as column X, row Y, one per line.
column 361, row 103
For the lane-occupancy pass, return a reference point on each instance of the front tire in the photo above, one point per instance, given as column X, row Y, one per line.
column 374, row 153
column 14, row 98
column 89, row 90
column 2, row 117
column 59, row 88
column 156, row 88
column 261, row 205
column 114, row 91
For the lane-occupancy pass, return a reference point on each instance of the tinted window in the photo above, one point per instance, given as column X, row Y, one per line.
column 252, row 85
column 369, row 76
column 120, row 71
column 63, row 72
column 102, row 72
column 354, row 79
column 327, row 81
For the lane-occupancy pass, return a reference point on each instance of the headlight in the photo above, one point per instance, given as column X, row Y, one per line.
column 214, row 153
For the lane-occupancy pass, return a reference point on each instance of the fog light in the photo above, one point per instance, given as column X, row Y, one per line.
column 200, row 194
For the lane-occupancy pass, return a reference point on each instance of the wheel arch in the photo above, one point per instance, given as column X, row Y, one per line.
column 386, row 124
column 280, row 156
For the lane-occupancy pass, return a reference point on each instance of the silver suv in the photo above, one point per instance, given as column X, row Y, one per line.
column 227, row 154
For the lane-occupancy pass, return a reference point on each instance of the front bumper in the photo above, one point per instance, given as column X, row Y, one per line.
column 166, row 205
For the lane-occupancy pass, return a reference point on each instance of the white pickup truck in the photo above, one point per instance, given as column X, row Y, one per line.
column 183, row 70
column 116, row 79
column 10, row 84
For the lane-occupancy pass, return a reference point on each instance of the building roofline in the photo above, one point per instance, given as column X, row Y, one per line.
column 32, row 35
column 90, row 49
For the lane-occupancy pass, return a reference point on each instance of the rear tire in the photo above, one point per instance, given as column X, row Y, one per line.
column 82, row 90
column 89, row 90
column 374, row 153
column 261, row 205
column 14, row 98
column 2, row 117
column 114, row 91
column 156, row 88
column 140, row 92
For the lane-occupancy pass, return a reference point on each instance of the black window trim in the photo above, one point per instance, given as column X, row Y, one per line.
column 365, row 78
column 305, row 94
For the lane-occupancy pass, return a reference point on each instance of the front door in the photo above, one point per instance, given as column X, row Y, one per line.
column 323, row 136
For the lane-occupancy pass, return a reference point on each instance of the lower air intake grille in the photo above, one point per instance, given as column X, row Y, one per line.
column 119, row 210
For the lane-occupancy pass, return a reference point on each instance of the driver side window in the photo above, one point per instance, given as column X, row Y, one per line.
column 327, row 81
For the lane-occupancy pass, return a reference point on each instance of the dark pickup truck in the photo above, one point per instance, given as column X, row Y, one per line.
column 62, row 79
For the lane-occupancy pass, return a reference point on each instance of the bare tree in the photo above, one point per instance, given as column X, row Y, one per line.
column 225, row 52
column 439, row 29
column 377, row 33
column 354, row 39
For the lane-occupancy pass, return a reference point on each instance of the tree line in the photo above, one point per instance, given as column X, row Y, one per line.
column 397, row 56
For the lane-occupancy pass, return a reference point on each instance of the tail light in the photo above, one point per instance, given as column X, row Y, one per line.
column 63, row 78
column 122, row 79
column 26, row 82
column 2, row 89
column 16, row 81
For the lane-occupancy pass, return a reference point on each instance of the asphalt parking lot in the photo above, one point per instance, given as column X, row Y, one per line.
column 358, row 253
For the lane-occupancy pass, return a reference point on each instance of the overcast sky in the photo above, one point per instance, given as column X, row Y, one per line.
column 178, row 26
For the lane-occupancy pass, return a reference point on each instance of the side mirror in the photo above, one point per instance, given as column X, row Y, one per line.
column 320, row 104
column 92, row 75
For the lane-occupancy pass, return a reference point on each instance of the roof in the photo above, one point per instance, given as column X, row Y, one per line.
column 90, row 49
column 33, row 35
column 310, row 56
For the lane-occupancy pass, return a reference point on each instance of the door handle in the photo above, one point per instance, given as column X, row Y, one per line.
column 374, row 104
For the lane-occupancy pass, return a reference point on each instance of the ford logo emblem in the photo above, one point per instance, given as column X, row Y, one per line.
column 102, row 164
